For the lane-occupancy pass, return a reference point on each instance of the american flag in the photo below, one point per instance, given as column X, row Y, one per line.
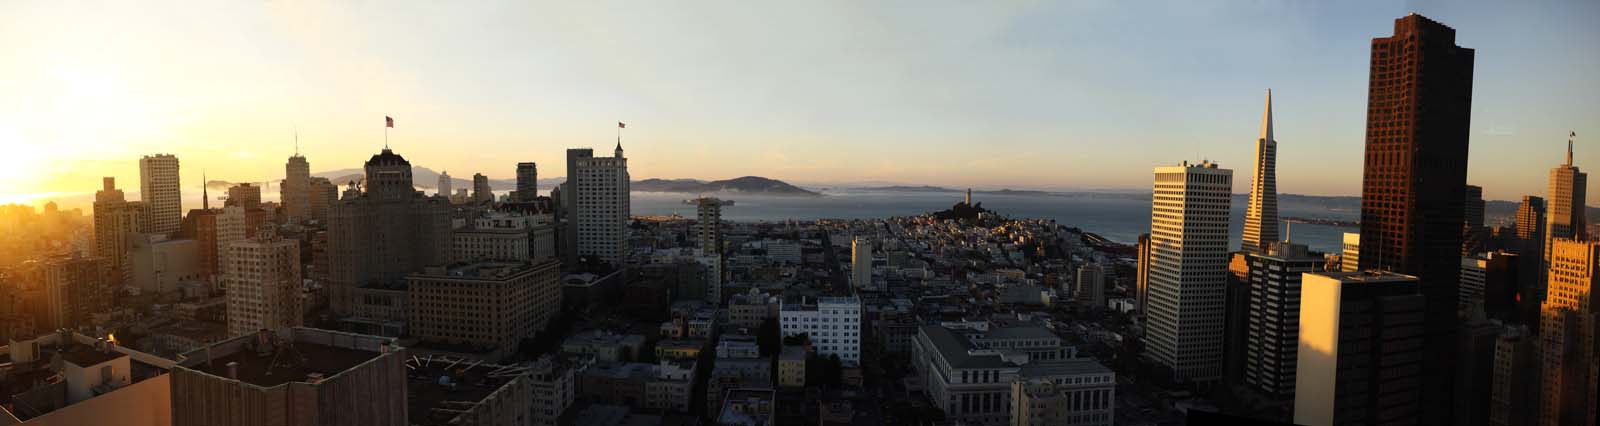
column 388, row 121
column 621, row 125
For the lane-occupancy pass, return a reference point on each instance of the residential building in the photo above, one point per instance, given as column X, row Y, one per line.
column 481, row 193
column 606, row 347
column 263, row 280
column 1261, row 215
column 162, row 195
column 1360, row 353
column 484, row 305
column 156, row 263
column 600, row 204
column 748, row 407
column 323, row 193
column 1188, row 272
column 792, row 367
column 115, row 219
column 505, row 236
column 832, row 323
column 861, row 263
column 1514, row 397
column 527, row 183
column 330, row 378
column 68, row 379
column 1091, row 286
column 244, row 195
column 75, row 288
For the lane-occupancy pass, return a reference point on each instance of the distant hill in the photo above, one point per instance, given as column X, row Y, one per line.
column 747, row 184
column 908, row 188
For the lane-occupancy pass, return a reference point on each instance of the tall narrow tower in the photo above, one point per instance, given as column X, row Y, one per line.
column 1188, row 269
column 1261, row 216
column 161, row 192
column 1564, row 208
column 1419, row 110
column 295, row 192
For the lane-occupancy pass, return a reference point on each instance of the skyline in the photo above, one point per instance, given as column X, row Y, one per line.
column 836, row 93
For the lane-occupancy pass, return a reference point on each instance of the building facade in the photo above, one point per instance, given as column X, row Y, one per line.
column 1567, row 329
column 383, row 230
column 1272, row 341
column 491, row 305
column 161, row 193
column 1188, row 272
column 527, row 183
column 295, row 192
column 832, row 323
column 1360, row 354
column 601, row 207
column 263, row 279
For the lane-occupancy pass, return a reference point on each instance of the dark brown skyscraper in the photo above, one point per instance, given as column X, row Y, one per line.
column 1419, row 106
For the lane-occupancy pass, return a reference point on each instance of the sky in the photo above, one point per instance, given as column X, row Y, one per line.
column 1085, row 95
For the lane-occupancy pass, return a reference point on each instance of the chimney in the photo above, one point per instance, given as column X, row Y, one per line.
column 233, row 370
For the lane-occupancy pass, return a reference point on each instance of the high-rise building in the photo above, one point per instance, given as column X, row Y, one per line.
column 601, row 207
column 861, row 263
column 1350, row 257
column 384, row 230
column 321, row 196
column 75, row 288
column 444, row 185
column 1091, row 285
column 832, row 323
column 1514, row 393
column 294, row 192
column 1419, row 109
column 480, row 188
column 1565, row 211
column 1188, row 272
column 1272, row 345
column 1474, row 237
column 708, row 223
column 567, row 213
column 527, row 183
column 114, row 220
column 1568, row 328
column 292, row 376
column 1360, row 354
column 263, row 281
column 488, row 306
column 244, row 195
column 1261, row 216
column 161, row 193
column 1529, row 245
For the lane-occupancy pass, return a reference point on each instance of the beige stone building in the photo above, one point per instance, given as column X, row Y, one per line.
column 492, row 305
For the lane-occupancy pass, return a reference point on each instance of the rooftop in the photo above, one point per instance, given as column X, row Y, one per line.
column 301, row 355
column 438, row 389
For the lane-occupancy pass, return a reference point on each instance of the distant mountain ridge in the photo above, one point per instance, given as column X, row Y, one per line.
column 746, row 184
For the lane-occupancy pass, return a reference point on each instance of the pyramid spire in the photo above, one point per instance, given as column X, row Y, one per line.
column 1266, row 118
column 205, row 196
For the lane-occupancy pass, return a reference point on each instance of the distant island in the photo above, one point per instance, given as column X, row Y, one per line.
column 746, row 185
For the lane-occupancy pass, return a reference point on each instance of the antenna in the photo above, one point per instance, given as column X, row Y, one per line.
column 297, row 141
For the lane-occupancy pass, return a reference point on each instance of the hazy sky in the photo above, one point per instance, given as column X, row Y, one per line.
column 1069, row 94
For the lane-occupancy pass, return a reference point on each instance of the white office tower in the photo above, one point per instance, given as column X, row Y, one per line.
column 1091, row 285
column 1189, row 267
column 262, row 276
column 1261, row 216
column 444, row 184
column 861, row 263
column 602, row 207
column 833, row 324
column 158, row 188
column 295, row 193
